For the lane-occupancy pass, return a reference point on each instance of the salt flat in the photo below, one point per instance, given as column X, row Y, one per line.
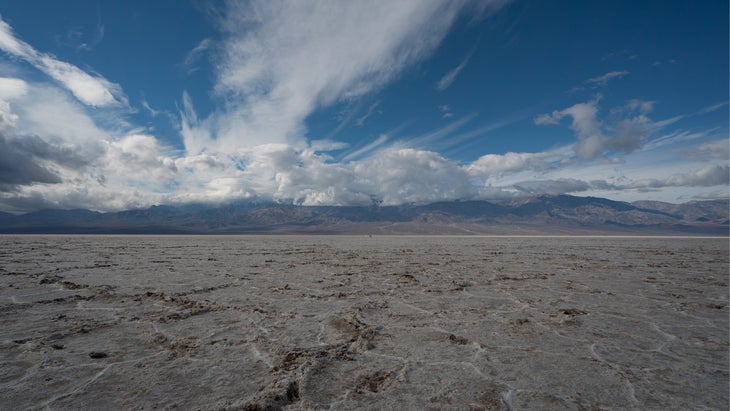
column 345, row 322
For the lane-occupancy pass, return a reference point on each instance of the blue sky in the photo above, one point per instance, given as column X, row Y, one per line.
column 111, row 105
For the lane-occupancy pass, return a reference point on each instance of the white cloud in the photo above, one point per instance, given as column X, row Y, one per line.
column 407, row 175
column 508, row 162
column 91, row 90
column 11, row 88
column 281, row 61
column 382, row 139
column 46, row 111
column 435, row 137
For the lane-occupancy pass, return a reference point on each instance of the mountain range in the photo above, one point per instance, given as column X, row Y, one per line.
column 562, row 214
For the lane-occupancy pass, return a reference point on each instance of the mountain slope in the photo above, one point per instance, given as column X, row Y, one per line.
column 538, row 215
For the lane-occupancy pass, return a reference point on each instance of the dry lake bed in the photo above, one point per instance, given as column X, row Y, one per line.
column 345, row 322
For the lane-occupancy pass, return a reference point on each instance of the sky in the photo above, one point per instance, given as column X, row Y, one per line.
column 113, row 105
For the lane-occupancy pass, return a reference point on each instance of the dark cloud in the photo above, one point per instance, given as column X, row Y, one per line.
column 18, row 167
column 25, row 160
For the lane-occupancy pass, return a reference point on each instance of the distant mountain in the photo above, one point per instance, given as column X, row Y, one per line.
column 562, row 214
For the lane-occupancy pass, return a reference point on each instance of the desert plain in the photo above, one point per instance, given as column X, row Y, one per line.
column 359, row 322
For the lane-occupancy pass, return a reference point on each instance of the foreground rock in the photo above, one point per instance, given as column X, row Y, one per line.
column 358, row 322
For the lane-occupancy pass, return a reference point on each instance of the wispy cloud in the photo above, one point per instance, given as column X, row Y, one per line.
column 428, row 139
column 281, row 61
column 146, row 106
column 91, row 90
column 602, row 80
column 78, row 39
column 194, row 55
column 382, row 139
column 451, row 75
column 711, row 108
column 371, row 110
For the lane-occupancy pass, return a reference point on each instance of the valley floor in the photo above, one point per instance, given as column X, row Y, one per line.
column 351, row 322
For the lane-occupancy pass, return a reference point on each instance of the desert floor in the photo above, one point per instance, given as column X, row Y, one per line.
column 345, row 322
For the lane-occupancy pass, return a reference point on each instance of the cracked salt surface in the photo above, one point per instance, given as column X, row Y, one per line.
column 257, row 322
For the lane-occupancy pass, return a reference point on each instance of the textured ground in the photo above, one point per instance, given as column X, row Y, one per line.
column 358, row 322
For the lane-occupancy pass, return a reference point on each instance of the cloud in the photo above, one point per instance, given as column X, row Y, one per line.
column 372, row 109
column 714, row 107
column 91, row 90
column 48, row 112
column 708, row 176
column 641, row 106
column 11, row 88
column 146, row 106
column 436, row 137
column 413, row 176
column 281, row 61
column 194, row 55
column 626, row 135
column 79, row 41
column 449, row 77
column 602, row 80
column 18, row 167
column 28, row 159
column 508, row 162
column 446, row 111
column 712, row 150
column 382, row 139
column 552, row 187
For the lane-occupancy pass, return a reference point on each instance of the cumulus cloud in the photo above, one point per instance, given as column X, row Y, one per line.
column 91, row 90
column 407, row 175
column 508, row 162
